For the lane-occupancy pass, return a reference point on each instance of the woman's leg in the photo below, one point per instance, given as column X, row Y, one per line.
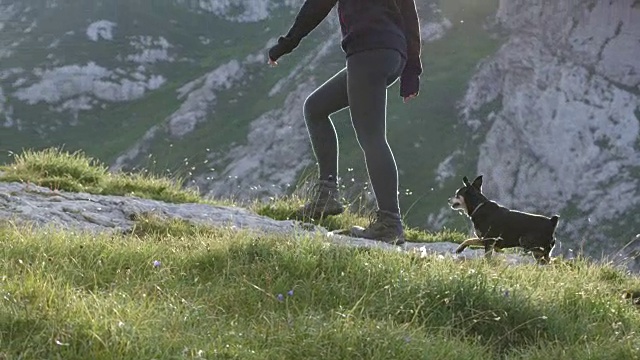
column 329, row 98
column 369, row 74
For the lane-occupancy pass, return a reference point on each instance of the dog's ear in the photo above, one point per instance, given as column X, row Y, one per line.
column 477, row 183
column 465, row 181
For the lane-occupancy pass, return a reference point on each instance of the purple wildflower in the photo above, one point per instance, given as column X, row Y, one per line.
column 280, row 297
column 156, row 263
column 290, row 292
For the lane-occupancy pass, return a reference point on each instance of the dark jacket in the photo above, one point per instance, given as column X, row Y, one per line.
column 365, row 24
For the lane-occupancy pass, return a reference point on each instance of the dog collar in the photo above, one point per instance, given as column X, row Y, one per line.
column 476, row 209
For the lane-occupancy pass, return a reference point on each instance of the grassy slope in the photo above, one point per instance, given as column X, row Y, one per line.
column 174, row 290
column 215, row 295
column 75, row 171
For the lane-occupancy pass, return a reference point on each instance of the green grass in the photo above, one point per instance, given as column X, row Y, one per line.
column 215, row 293
column 76, row 172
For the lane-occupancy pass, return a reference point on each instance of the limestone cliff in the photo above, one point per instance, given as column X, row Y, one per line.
column 556, row 112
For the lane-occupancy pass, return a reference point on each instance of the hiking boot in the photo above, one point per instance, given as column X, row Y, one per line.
column 386, row 227
column 324, row 201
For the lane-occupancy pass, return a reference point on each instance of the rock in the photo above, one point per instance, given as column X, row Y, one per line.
column 83, row 211
column 101, row 29
column 66, row 84
column 245, row 11
column 40, row 206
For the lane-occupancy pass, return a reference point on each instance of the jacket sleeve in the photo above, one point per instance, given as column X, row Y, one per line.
column 410, row 77
column 309, row 17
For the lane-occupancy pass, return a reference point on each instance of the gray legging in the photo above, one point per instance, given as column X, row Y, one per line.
column 361, row 86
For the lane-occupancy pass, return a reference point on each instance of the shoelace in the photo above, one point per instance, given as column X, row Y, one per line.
column 316, row 189
column 375, row 218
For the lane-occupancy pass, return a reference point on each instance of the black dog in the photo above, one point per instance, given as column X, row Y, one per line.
column 497, row 227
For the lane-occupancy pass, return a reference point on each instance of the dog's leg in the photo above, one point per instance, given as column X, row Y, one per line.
column 536, row 246
column 542, row 257
column 489, row 247
column 469, row 242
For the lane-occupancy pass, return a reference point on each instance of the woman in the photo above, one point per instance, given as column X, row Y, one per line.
column 381, row 40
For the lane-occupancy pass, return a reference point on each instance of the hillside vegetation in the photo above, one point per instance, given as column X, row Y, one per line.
column 172, row 290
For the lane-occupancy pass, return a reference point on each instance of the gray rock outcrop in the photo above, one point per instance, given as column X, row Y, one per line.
column 40, row 206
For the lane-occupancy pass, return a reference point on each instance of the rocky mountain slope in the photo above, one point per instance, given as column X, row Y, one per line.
column 559, row 115
column 547, row 109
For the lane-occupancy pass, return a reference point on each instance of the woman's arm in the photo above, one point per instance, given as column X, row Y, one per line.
column 310, row 15
column 410, row 78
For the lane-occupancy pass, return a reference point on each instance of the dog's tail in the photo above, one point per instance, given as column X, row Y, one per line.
column 554, row 221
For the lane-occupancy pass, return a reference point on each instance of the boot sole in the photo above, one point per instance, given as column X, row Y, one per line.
column 357, row 232
column 317, row 215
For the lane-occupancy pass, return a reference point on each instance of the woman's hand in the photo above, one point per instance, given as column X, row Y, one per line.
column 409, row 85
column 408, row 98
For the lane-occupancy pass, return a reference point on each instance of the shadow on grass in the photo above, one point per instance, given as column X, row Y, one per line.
column 359, row 282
